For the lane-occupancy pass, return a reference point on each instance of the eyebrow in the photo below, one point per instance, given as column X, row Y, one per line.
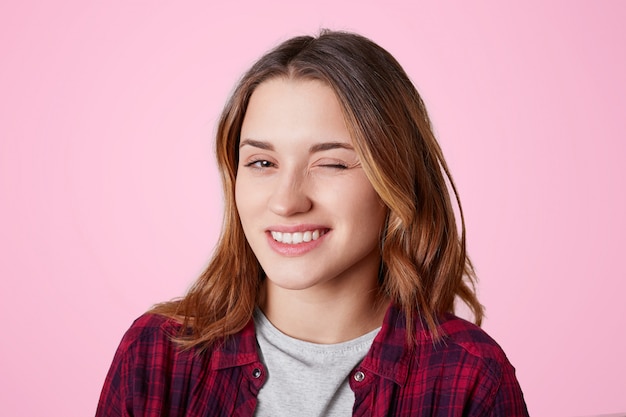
column 326, row 146
column 318, row 147
column 257, row 144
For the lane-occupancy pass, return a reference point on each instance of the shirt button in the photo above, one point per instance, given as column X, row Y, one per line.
column 256, row 372
column 359, row 376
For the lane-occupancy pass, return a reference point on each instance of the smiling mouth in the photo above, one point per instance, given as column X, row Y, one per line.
column 297, row 237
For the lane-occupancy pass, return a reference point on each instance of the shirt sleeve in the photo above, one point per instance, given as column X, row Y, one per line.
column 119, row 380
column 138, row 380
column 509, row 399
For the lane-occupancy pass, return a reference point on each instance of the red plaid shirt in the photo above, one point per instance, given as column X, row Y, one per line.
column 466, row 374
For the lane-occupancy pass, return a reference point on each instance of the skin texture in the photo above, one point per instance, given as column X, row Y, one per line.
column 297, row 172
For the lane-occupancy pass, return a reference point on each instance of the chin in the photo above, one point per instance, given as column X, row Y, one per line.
column 296, row 281
column 291, row 284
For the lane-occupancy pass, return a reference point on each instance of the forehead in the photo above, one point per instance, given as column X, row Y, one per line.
column 285, row 108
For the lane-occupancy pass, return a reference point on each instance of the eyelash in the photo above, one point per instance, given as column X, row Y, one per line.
column 264, row 163
column 260, row 164
column 335, row 166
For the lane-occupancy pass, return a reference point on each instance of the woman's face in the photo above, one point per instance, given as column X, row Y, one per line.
column 308, row 211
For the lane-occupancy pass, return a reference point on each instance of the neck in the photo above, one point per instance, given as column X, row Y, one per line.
column 324, row 316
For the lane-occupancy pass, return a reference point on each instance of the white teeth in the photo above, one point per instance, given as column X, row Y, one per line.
column 297, row 237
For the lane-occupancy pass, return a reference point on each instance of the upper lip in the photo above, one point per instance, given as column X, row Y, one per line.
column 296, row 228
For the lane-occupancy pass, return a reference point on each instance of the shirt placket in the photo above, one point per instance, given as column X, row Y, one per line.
column 372, row 393
column 254, row 376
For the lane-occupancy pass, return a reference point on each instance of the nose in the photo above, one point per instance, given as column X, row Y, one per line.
column 290, row 196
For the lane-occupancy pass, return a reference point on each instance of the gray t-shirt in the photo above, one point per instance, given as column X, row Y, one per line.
column 306, row 379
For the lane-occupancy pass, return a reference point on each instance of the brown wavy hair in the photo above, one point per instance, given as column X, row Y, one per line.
column 425, row 265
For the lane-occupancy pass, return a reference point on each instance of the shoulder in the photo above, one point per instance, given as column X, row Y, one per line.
column 465, row 369
column 150, row 330
column 150, row 345
column 465, row 356
column 479, row 365
column 150, row 325
column 144, row 354
column 470, row 338
column 466, row 365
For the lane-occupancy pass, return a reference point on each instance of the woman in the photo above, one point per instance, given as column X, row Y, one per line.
column 332, row 288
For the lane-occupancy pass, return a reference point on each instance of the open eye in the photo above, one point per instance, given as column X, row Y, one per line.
column 260, row 164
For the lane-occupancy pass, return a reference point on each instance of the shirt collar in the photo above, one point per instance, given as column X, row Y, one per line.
column 237, row 350
column 388, row 356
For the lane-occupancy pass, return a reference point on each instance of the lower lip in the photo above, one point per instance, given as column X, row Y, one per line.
column 294, row 249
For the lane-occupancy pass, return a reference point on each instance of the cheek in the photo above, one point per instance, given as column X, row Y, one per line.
column 363, row 206
column 249, row 200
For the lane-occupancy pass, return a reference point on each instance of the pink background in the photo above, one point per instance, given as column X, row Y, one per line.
column 110, row 199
